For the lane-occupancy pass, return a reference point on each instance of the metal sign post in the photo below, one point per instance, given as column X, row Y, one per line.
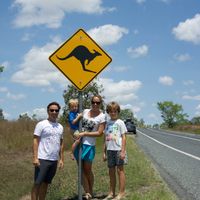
column 80, row 97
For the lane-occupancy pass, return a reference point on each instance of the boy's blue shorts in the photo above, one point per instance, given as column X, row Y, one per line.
column 88, row 152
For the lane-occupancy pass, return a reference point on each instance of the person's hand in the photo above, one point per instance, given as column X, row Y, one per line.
column 104, row 157
column 36, row 162
column 78, row 136
column 80, row 115
column 61, row 164
column 122, row 155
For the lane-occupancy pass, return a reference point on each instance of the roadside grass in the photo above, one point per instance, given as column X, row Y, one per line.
column 142, row 180
column 16, row 170
column 187, row 128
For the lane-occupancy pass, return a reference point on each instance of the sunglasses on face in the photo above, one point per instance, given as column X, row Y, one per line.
column 54, row 110
column 96, row 102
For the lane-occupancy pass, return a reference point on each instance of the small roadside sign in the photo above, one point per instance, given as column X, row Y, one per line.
column 80, row 59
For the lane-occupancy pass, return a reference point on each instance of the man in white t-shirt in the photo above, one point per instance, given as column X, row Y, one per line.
column 47, row 151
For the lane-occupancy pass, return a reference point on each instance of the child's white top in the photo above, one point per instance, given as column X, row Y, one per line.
column 113, row 134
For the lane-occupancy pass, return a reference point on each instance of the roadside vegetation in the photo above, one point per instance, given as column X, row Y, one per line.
column 16, row 170
column 142, row 180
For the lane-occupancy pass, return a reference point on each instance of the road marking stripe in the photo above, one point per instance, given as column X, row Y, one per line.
column 187, row 154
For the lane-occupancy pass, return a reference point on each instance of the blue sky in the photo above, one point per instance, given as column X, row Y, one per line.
column 154, row 45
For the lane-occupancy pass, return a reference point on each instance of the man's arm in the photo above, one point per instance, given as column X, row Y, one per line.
column 35, row 150
column 61, row 161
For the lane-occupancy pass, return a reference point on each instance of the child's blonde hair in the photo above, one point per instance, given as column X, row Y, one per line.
column 72, row 101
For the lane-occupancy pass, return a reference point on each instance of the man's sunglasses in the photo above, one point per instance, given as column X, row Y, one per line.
column 96, row 102
column 54, row 110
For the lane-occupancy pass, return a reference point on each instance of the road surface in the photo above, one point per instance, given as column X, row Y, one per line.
column 177, row 158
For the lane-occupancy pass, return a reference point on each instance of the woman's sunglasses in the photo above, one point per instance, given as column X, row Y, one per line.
column 96, row 102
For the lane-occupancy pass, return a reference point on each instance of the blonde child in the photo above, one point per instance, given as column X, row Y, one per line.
column 73, row 119
column 115, row 150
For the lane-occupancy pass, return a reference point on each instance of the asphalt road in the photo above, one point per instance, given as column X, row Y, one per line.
column 176, row 157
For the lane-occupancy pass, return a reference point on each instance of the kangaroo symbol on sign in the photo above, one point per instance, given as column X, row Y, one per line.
column 82, row 54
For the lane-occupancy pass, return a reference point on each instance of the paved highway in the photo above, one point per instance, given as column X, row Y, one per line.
column 177, row 158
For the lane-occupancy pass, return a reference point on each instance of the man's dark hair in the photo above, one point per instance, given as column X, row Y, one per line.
column 53, row 103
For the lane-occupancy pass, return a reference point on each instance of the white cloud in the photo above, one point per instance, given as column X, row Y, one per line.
column 40, row 113
column 135, row 32
column 153, row 116
column 166, row 80
column 188, row 82
column 198, row 107
column 182, row 57
column 122, row 91
column 197, row 113
column 3, row 89
column 197, row 97
column 36, row 69
column 51, row 13
column 15, row 97
column 117, row 68
column 140, row 1
column 138, row 52
column 107, row 34
column 165, row 1
column 189, row 30
column 26, row 37
column 6, row 115
column 135, row 109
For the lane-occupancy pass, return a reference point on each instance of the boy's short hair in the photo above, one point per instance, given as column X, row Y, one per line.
column 72, row 101
column 113, row 105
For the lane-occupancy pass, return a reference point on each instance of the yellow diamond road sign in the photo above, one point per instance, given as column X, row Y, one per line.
column 80, row 59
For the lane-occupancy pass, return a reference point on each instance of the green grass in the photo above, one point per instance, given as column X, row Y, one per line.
column 142, row 181
column 16, row 169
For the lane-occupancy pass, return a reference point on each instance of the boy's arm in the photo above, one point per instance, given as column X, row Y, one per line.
column 123, row 149
column 78, row 117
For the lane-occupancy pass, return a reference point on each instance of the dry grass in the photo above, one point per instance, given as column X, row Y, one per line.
column 188, row 128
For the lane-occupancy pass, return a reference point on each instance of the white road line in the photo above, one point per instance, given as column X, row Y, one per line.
column 187, row 154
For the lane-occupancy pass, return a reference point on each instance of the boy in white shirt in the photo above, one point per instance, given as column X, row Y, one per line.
column 115, row 150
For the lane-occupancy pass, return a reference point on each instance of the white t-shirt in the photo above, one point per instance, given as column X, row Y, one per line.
column 91, row 124
column 113, row 134
column 50, row 135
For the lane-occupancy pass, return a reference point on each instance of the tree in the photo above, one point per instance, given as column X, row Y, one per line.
column 72, row 93
column 1, row 114
column 24, row 117
column 1, row 68
column 171, row 113
column 195, row 120
column 141, row 123
column 126, row 114
column 1, row 111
